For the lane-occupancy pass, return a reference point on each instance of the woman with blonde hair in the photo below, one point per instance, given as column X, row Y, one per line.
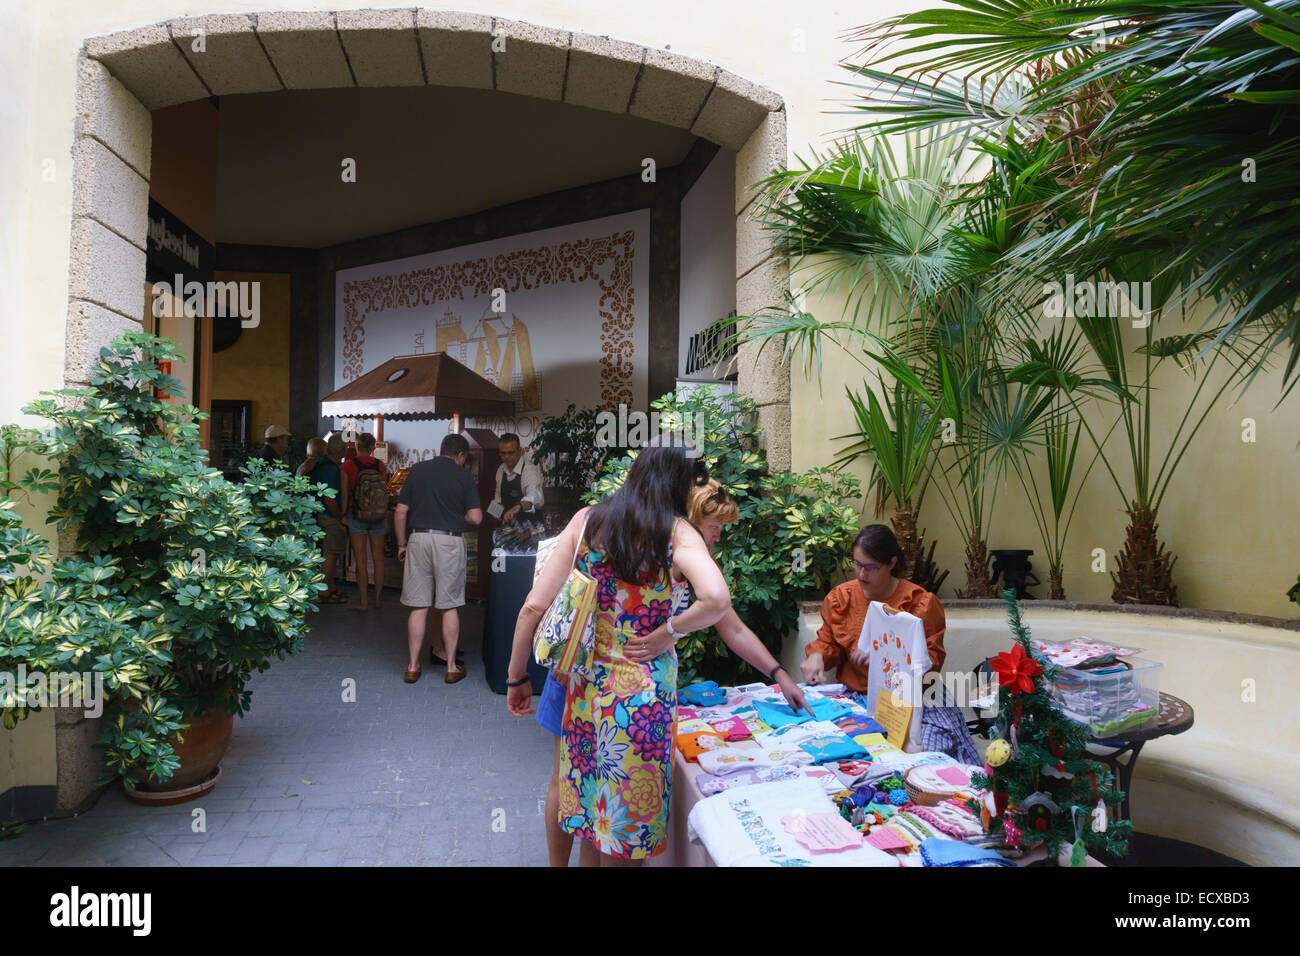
column 711, row 509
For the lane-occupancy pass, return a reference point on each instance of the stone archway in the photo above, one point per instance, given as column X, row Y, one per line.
column 122, row 76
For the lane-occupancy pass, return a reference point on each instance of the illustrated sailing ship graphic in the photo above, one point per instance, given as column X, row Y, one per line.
column 499, row 350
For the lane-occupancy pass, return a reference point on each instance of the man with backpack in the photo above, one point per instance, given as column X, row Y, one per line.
column 367, row 482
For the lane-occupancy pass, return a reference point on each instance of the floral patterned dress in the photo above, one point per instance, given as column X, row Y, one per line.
column 617, row 759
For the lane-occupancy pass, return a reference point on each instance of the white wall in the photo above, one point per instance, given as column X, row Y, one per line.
column 708, row 265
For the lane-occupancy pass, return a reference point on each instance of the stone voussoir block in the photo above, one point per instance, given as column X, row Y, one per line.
column 106, row 269
column 109, row 112
column 228, row 57
column 109, row 191
column 457, row 48
column 305, row 48
column 90, row 328
column 381, row 46
column 763, row 152
column 148, row 64
column 602, row 72
column 532, row 60
column 734, row 110
column 672, row 88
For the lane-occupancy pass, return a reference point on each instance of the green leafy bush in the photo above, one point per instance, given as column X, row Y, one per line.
column 565, row 451
column 790, row 543
column 188, row 584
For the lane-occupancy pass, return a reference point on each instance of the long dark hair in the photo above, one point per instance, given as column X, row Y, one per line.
column 633, row 527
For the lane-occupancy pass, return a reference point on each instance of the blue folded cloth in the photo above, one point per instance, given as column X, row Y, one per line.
column 778, row 715
column 856, row 724
column 940, row 852
column 704, row 694
column 834, row 747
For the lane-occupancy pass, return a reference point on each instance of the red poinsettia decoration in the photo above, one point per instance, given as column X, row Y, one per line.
column 1016, row 670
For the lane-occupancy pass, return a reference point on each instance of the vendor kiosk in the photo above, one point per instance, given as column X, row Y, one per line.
column 429, row 387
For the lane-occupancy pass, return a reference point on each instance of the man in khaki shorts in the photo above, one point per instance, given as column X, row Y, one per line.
column 437, row 501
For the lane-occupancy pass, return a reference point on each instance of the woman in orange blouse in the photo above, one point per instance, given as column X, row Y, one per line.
column 876, row 558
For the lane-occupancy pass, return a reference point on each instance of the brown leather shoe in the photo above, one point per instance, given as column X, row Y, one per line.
column 413, row 675
column 454, row 676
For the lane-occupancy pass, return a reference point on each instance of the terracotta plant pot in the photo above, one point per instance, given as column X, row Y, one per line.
column 206, row 742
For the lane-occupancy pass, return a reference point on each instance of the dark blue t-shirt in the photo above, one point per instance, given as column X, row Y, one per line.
column 438, row 492
column 328, row 473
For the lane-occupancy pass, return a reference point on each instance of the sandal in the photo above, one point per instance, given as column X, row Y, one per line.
column 336, row 598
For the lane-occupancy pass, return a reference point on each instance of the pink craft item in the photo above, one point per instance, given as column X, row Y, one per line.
column 822, row 832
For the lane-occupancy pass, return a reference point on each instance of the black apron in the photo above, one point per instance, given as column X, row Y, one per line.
column 512, row 490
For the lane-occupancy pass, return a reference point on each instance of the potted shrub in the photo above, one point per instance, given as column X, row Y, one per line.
column 206, row 581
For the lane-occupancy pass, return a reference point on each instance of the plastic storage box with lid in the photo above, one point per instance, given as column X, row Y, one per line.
column 1112, row 698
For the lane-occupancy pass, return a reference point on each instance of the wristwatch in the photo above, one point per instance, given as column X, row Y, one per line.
column 671, row 633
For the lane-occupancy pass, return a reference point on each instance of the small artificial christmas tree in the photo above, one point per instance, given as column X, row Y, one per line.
column 1042, row 785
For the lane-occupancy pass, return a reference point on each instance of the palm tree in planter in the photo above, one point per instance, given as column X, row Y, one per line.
column 216, row 578
column 1156, row 116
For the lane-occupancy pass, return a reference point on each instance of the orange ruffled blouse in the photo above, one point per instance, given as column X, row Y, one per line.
column 845, row 611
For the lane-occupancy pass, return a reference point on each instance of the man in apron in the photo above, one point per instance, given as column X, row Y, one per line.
column 518, row 481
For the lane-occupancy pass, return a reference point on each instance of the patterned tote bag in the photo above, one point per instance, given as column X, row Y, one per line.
column 566, row 636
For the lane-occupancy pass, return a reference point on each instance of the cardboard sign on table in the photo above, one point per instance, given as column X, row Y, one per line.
column 895, row 642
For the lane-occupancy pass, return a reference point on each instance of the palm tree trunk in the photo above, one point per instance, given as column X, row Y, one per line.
column 918, row 564
column 1144, row 569
column 977, row 568
column 1055, row 576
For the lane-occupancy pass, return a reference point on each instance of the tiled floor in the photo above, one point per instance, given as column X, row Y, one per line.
column 422, row 773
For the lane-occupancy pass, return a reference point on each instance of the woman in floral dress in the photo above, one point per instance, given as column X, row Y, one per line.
column 617, row 753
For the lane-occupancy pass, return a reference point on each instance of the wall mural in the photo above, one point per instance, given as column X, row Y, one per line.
column 569, row 323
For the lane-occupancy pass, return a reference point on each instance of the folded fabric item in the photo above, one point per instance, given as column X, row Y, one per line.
column 854, row 724
column 693, row 744
column 687, row 713
column 711, row 784
column 942, row 852
column 781, row 715
column 724, row 760
column 850, row 772
column 755, row 724
column 789, row 756
column 704, row 694
column 759, row 688
column 795, row 734
column 833, row 747
column 873, row 740
column 912, row 828
column 733, row 728
column 1081, row 650
column 828, row 781
column 743, row 827
column 824, row 689
column 693, row 726
column 953, row 820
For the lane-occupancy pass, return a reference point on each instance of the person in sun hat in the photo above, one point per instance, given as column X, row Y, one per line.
column 276, row 444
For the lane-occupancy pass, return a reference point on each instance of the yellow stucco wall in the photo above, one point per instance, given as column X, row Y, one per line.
column 1230, row 514
column 256, row 367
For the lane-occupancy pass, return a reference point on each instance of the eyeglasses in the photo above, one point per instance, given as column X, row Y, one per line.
column 866, row 568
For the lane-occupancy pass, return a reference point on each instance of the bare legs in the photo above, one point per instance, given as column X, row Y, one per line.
column 559, row 844
column 364, row 548
column 450, row 637
column 377, row 552
column 418, row 620
column 331, row 567
column 361, row 557
column 588, row 855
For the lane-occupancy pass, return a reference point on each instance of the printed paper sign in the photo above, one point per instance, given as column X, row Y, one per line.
column 895, row 716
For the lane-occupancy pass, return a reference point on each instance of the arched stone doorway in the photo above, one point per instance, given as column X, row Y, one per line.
column 122, row 76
